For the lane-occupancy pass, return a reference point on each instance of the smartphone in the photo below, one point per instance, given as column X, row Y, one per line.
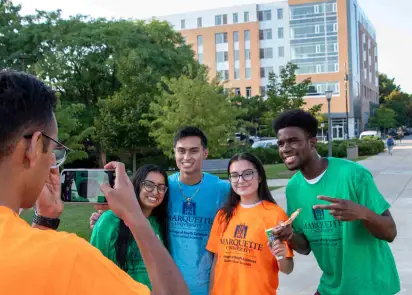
column 83, row 185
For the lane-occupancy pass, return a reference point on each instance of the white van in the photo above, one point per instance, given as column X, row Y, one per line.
column 370, row 133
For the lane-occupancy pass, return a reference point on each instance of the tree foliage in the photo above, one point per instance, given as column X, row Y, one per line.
column 194, row 102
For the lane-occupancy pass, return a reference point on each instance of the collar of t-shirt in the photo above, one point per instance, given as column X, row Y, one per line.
column 316, row 179
column 251, row 205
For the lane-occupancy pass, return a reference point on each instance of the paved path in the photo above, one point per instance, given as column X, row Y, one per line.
column 393, row 176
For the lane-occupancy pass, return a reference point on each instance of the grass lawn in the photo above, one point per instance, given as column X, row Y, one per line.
column 75, row 219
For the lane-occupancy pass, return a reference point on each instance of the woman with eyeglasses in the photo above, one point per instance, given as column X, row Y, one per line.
column 244, row 261
column 114, row 239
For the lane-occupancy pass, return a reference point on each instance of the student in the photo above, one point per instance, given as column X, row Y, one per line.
column 390, row 143
column 34, row 261
column 244, row 262
column 344, row 220
column 115, row 240
column 194, row 199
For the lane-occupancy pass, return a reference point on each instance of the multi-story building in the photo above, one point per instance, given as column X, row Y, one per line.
column 331, row 41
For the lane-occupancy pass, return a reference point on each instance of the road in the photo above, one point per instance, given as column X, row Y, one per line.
column 393, row 176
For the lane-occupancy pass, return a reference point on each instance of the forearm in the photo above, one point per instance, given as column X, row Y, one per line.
column 286, row 265
column 382, row 227
column 163, row 272
column 300, row 244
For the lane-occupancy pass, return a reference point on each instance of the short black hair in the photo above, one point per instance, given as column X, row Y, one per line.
column 297, row 118
column 25, row 103
column 190, row 131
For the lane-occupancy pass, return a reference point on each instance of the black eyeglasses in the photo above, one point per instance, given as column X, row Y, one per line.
column 247, row 175
column 150, row 186
column 60, row 151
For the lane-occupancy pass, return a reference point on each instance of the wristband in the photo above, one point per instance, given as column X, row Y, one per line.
column 52, row 223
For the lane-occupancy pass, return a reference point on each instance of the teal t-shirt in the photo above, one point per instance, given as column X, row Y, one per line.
column 104, row 237
column 353, row 261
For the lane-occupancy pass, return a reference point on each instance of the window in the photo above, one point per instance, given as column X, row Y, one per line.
column 262, row 90
column 264, row 15
column 318, row 48
column 225, row 19
column 320, row 88
column 265, row 71
column 281, row 51
column 335, row 27
column 199, row 40
column 336, row 67
column 236, row 55
column 335, row 47
column 281, row 68
column 199, row 22
column 280, row 33
column 246, row 16
column 248, row 73
column 317, row 29
column 221, row 38
column 318, row 68
column 265, row 34
column 237, row 91
column 235, row 18
column 316, row 8
column 235, row 36
column 280, row 13
column 183, row 24
column 222, row 56
column 218, row 20
column 247, row 35
column 200, row 58
column 335, row 7
column 266, row 53
column 248, row 92
column 247, row 54
column 223, row 75
column 237, row 75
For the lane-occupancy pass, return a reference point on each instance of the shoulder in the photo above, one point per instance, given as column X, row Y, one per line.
column 347, row 167
column 273, row 211
column 109, row 216
column 173, row 177
column 296, row 179
column 106, row 221
column 214, row 180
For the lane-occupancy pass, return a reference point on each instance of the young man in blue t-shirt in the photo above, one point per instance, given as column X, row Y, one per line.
column 194, row 199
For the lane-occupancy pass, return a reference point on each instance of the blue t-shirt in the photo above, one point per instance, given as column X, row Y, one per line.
column 190, row 225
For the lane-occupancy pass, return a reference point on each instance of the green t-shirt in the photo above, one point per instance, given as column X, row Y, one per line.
column 104, row 237
column 353, row 261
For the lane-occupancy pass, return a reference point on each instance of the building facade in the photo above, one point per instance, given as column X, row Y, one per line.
column 332, row 42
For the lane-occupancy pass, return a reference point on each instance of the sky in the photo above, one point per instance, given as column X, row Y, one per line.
column 391, row 19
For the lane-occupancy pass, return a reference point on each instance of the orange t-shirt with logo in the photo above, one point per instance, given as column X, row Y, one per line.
column 39, row 262
column 245, row 264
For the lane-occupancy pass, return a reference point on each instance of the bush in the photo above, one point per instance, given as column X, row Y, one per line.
column 266, row 155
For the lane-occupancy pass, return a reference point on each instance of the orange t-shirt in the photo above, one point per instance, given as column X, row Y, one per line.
column 39, row 262
column 245, row 264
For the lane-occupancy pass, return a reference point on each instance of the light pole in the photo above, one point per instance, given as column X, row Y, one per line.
column 346, row 79
column 328, row 94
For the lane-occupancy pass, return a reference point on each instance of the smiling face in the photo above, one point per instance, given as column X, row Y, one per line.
column 189, row 154
column 295, row 147
column 151, row 195
column 245, row 180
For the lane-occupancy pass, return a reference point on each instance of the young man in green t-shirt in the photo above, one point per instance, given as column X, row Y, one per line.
column 344, row 221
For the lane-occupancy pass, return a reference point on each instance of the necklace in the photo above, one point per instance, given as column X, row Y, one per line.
column 189, row 199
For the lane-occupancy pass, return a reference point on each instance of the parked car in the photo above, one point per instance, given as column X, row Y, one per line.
column 369, row 134
column 265, row 143
column 244, row 137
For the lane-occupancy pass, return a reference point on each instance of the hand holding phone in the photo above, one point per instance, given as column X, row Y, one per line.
column 122, row 197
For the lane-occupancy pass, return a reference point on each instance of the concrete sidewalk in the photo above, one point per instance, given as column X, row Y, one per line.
column 393, row 176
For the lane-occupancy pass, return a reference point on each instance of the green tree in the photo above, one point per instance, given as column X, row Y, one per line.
column 398, row 102
column 383, row 118
column 72, row 132
column 284, row 93
column 250, row 112
column 194, row 102
column 386, row 87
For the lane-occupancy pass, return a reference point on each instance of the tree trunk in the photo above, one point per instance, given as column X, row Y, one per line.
column 103, row 159
column 134, row 162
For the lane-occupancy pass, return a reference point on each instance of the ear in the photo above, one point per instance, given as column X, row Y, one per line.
column 313, row 141
column 34, row 148
column 205, row 153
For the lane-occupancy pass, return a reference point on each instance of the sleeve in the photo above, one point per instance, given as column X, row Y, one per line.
column 368, row 194
column 213, row 243
column 94, row 274
column 290, row 209
column 104, row 235
column 283, row 217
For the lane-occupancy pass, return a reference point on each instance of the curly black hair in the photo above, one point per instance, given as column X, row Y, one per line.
column 297, row 118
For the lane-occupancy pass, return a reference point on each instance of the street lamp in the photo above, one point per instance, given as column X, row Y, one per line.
column 328, row 94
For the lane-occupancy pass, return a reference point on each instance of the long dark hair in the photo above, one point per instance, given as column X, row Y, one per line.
column 125, row 236
column 264, row 194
